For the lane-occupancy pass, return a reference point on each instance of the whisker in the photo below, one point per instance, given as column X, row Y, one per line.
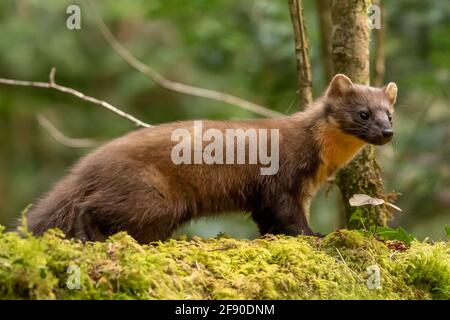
column 394, row 144
column 360, row 131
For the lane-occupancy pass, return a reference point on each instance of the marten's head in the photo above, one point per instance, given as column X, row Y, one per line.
column 362, row 111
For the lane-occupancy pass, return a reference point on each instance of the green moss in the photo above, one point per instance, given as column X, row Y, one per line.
column 221, row 268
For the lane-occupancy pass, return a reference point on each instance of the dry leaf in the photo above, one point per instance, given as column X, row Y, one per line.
column 363, row 199
column 358, row 200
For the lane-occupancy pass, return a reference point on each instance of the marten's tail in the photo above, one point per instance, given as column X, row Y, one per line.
column 63, row 208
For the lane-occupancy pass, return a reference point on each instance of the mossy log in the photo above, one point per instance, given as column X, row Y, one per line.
column 267, row 268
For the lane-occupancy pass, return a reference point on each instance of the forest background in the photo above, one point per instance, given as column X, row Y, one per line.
column 245, row 48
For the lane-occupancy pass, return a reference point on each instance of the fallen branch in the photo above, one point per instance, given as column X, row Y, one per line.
column 63, row 139
column 53, row 85
column 172, row 85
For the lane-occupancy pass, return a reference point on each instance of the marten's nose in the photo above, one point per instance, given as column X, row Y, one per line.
column 387, row 133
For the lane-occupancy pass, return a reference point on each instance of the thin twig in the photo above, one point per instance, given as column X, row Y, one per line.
column 63, row 139
column 128, row 57
column 379, row 48
column 393, row 254
column 325, row 28
column 53, row 85
column 230, row 246
column 345, row 263
column 301, row 53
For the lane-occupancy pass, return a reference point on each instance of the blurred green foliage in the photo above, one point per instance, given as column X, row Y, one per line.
column 241, row 47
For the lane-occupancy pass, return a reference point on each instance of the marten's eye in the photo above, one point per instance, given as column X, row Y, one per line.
column 390, row 117
column 364, row 115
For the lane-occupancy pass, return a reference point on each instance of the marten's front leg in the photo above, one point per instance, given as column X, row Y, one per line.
column 284, row 215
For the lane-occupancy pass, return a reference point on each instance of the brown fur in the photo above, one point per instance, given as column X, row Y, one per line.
column 131, row 184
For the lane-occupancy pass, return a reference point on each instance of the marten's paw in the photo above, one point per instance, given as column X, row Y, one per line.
column 318, row 235
column 311, row 233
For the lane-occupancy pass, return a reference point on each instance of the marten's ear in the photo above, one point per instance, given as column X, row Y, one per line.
column 391, row 92
column 338, row 85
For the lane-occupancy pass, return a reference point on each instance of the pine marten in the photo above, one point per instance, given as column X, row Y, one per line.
column 135, row 184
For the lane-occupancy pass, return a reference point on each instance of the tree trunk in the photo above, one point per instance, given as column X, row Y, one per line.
column 304, row 77
column 350, row 54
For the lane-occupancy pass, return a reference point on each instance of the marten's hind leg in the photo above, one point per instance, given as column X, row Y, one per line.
column 85, row 227
column 144, row 213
